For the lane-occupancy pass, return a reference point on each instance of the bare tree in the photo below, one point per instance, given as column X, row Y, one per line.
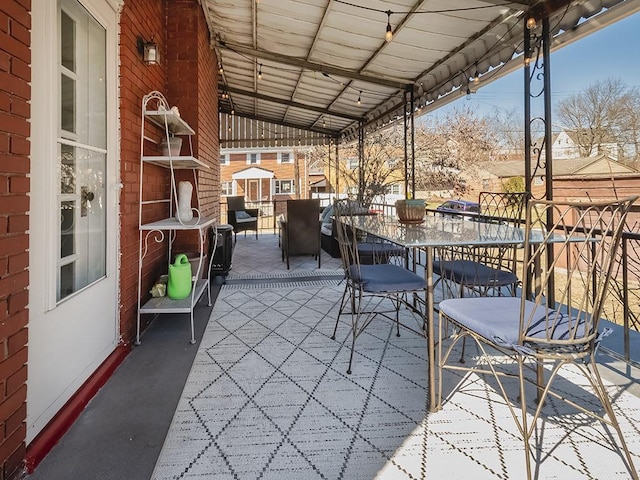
column 631, row 118
column 596, row 116
column 449, row 146
column 382, row 164
column 508, row 128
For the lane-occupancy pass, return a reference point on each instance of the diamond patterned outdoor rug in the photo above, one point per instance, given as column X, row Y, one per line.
column 268, row 397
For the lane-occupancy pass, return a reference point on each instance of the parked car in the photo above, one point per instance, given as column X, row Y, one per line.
column 459, row 207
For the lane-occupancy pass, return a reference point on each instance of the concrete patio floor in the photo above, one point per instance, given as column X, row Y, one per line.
column 267, row 396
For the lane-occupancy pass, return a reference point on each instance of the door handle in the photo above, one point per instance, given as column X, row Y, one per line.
column 86, row 196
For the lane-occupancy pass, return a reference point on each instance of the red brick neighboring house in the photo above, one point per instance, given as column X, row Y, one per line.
column 264, row 174
column 56, row 147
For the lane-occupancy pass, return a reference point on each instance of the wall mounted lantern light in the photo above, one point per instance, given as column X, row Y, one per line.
column 148, row 51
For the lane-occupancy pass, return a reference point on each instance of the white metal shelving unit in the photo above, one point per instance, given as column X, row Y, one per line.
column 156, row 110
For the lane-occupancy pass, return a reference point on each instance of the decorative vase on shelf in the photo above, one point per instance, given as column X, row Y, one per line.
column 184, row 212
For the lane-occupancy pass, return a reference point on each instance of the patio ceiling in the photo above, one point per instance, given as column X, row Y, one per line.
column 324, row 66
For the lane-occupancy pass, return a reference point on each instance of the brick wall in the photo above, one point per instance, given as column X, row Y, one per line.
column 139, row 18
column 192, row 84
column 15, row 93
column 187, row 77
column 149, row 19
column 208, row 122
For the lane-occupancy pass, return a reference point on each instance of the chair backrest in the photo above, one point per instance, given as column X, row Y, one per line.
column 235, row 203
column 344, row 212
column 570, row 248
column 503, row 206
column 303, row 226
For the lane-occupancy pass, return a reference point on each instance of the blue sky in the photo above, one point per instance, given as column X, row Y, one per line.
column 610, row 52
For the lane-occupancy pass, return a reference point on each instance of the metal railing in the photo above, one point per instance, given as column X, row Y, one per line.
column 623, row 307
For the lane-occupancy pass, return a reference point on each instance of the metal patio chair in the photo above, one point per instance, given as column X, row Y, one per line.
column 367, row 286
column 484, row 270
column 489, row 269
column 535, row 331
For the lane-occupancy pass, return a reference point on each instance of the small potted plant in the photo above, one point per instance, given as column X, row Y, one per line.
column 410, row 210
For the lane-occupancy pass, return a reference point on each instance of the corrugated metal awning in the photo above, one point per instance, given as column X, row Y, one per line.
column 307, row 70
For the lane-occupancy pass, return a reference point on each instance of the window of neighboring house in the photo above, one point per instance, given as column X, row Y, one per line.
column 393, row 189
column 353, row 190
column 224, row 159
column 392, row 163
column 537, row 181
column 486, row 183
column 253, row 158
column 226, row 188
column 285, row 157
column 352, row 163
column 284, row 187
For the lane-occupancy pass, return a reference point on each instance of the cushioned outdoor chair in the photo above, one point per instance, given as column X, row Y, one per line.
column 489, row 269
column 485, row 270
column 569, row 255
column 241, row 218
column 373, row 289
column 301, row 229
column 372, row 249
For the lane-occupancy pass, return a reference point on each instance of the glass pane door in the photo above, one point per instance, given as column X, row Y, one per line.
column 82, row 138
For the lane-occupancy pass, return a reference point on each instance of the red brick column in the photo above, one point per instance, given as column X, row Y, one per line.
column 192, row 85
column 15, row 92
column 145, row 18
column 187, row 75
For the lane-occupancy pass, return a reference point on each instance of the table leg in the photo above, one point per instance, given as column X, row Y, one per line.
column 431, row 353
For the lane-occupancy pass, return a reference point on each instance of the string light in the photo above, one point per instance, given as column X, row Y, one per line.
column 388, row 36
column 220, row 69
column 531, row 23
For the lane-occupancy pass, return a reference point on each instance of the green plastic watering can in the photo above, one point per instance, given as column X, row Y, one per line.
column 179, row 284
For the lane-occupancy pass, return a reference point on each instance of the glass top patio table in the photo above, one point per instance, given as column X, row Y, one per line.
column 441, row 231
column 438, row 231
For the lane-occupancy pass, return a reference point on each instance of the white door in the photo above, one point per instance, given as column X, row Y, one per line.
column 73, row 309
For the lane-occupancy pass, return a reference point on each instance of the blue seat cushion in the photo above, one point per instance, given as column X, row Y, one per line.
column 498, row 319
column 470, row 273
column 380, row 248
column 243, row 217
column 386, row 278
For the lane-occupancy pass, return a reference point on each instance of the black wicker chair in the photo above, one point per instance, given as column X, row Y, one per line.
column 241, row 218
